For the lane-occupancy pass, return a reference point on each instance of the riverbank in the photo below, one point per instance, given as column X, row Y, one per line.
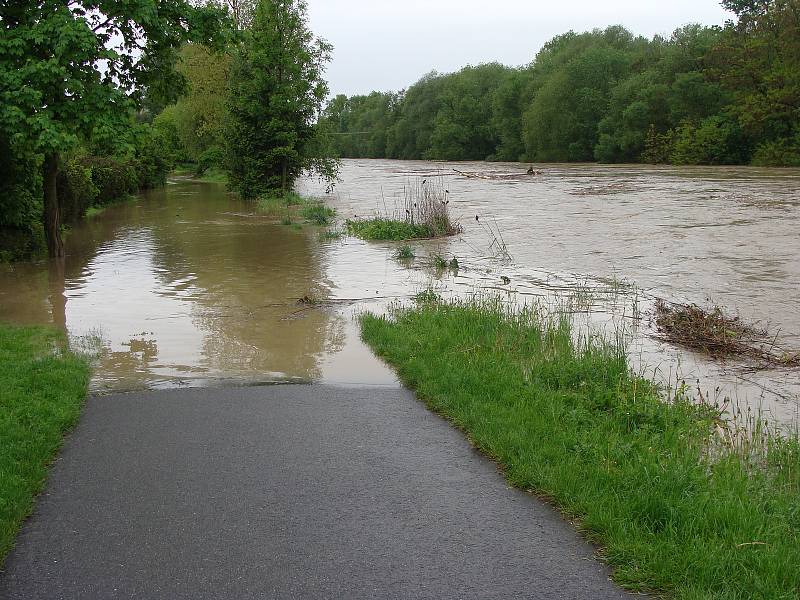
column 42, row 389
column 674, row 510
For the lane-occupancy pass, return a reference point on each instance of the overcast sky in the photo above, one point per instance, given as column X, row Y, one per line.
column 389, row 44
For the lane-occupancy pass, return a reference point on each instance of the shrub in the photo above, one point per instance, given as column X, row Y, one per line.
column 21, row 232
column 716, row 141
column 314, row 211
column 153, row 157
column 210, row 158
column 113, row 178
column 76, row 190
column 778, row 153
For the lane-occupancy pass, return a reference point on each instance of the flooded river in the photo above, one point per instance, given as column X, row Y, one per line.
column 189, row 286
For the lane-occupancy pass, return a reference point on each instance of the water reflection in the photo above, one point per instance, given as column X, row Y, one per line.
column 188, row 287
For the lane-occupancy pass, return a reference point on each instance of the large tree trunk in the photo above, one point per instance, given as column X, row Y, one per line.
column 284, row 175
column 52, row 211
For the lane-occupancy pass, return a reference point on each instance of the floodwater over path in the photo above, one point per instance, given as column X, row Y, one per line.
column 189, row 286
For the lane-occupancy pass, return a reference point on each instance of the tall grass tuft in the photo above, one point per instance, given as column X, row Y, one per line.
column 423, row 213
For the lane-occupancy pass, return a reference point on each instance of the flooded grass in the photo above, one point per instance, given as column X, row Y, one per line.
column 425, row 214
column 42, row 388
column 315, row 212
column 675, row 508
column 719, row 335
column 285, row 206
column 328, row 235
column 404, row 253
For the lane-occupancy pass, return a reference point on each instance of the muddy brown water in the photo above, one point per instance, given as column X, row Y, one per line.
column 189, row 286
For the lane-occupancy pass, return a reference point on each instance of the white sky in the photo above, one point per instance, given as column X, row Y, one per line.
column 389, row 44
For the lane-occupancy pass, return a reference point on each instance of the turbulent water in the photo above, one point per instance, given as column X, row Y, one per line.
column 189, row 286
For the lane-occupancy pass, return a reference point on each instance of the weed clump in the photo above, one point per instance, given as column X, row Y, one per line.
column 328, row 235
column 314, row 211
column 404, row 253
column 425, row 213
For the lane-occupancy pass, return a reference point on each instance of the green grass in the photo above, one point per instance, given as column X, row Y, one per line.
column 285, row 205
column 386, row 229
column 42, row 389
column 96, row 210
column 404, row 253
column 214, row 175
column 329, row 235
column 314, row 211
column 569, row 422
column 438, row 261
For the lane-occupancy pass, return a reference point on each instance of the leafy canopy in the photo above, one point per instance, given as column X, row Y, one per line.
column 68, row 69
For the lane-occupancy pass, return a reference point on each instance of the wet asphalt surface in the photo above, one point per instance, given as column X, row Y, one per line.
column 296, row 491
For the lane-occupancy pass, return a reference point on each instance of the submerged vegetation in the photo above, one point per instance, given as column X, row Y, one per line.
column 704, row 95
column 285, row 206
column 673, row 507
column 424, row 214
column 42, row 388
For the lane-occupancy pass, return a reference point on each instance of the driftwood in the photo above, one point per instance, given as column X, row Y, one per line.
column 499, row 176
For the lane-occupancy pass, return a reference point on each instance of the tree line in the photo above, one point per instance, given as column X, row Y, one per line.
column 704, row 95
column 101, row 98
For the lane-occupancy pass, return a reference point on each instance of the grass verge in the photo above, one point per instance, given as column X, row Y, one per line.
column 42, row 389
column 674, row 511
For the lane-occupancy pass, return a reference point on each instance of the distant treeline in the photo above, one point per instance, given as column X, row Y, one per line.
column 705, row 95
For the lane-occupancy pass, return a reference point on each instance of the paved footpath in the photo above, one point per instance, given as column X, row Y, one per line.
column 297, row 491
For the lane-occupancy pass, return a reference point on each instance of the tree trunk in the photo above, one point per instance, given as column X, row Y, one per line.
column 52, row 211
column 284, row 176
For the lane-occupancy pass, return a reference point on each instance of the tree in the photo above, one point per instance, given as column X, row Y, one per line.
column 275, row 100
column 68, row 67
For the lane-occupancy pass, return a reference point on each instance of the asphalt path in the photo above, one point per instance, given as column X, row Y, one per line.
column 292, row 491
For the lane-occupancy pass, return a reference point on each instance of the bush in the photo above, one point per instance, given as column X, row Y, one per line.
column 113, row 178
column 314, row 211
column 716, row 141
column 153, row 157
column 210, row 158
column 76, row 190
column 778, row 153
column 21, row 232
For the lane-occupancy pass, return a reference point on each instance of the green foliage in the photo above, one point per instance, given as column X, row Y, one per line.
column 315, row 211
column 154, row 156
column 276, row 95
column 199, row 115
column 386, row 229
column 210, row 158
column 462, row 128
column 781, row 153
column 74, row 71
column 42, row 388
column 716, row 141
column 438, row 261
column 602, row 95
column 404, row 253
column 21, row 233
column 77, row 191
column 674, row 510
